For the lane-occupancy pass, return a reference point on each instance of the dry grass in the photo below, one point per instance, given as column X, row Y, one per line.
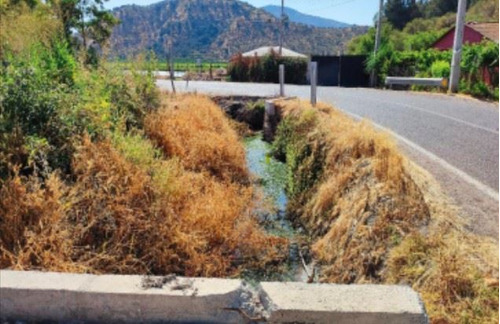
column 377, row 218
column 131, row 210
column 194, row 129
column 455, row 271
column 31, row 226
column 361, row 203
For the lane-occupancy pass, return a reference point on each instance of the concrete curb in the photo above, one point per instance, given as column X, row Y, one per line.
column 327, row 303
column 84, row 298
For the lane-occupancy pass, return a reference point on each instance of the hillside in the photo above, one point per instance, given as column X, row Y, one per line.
column 215, row 29
column 483, row 11
column 300, row 18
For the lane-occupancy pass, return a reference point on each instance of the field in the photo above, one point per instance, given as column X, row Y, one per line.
column 181, row 65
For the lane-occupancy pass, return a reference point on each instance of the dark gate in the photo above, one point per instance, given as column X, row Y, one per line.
column 345, row 70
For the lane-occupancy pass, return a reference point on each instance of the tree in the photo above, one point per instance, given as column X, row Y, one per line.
column 88, row 18
column 400, row 12
column 437, row 8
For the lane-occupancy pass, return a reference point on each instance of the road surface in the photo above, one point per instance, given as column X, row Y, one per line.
column 458, row 135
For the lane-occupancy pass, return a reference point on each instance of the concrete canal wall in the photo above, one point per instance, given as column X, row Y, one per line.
column 76, row 298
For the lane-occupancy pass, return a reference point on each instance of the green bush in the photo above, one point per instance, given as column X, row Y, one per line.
column 480, row 90
column 266, row 69
column 440, row 69
column 476, row 60
column 48, row 100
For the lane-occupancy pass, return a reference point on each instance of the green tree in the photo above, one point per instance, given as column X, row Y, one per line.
column 437, row 8
column 88, row 18
column 400, row 12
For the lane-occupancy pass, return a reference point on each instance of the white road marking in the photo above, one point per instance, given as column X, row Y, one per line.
column 464, row 176
column 435, row 114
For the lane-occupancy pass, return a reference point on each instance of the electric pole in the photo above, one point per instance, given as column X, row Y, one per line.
column 170, row 62
column 282, row 18
column 457, row 46
column 373, row 76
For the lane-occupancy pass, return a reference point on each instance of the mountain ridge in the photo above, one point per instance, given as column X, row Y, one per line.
column 306, row 19
column 215, row 29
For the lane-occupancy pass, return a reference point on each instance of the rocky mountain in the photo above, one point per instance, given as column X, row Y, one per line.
column 300, row 18
column 215, row 29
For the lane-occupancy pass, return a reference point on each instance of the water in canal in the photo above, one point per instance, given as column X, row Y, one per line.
column 271, row 177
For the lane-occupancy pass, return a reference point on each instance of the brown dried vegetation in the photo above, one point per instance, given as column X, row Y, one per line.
column 195, row 129
column 376, row 218
column 131, row 210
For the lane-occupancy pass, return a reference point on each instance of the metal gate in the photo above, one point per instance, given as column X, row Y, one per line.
column 344, row 70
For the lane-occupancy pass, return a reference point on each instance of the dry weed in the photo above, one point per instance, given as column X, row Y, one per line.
column 377, row 218
column 195, row 130
column 130, row 210
column 32, row 230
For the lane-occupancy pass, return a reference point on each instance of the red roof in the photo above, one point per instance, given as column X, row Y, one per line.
column 473, row 33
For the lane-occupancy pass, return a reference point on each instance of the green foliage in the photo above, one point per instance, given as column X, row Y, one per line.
column 266, row 69
column 413, row 38
column 400, row 12
column 258, row 105
column 191, row 65
column 48, row 100
column 88, row 17
column 483, row 11
column 34, row 95
column 93, row 23
column 477, row 60
column 440, row 69
column 304, row 156
column 136, row 149
column 364, row 44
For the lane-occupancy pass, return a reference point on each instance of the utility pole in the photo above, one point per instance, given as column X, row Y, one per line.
column 282, row 18
column 457, row 46
column 170, row 61
column 282, row 79
column 341, row 52
column 314, row 82
column 373, row 76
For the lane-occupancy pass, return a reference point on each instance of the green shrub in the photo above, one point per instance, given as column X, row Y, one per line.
column 48, row 100
column 477, row 59
column 266, row 69
column 31, row 107
column 440, row 69
column 480, row 90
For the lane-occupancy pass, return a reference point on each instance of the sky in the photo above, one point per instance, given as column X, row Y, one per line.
column 359, row 12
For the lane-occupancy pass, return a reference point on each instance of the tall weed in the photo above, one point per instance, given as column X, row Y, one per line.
column 196, row 131
column 375, row 218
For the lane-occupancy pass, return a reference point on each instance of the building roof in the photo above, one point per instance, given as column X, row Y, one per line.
column 262, row 51
column 488, row 30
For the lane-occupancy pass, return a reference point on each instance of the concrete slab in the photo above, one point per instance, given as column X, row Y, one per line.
column 361, row 304
column 84, row 298
column 113, row 298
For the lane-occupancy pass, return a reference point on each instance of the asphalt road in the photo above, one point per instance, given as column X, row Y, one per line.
column 459, row 133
